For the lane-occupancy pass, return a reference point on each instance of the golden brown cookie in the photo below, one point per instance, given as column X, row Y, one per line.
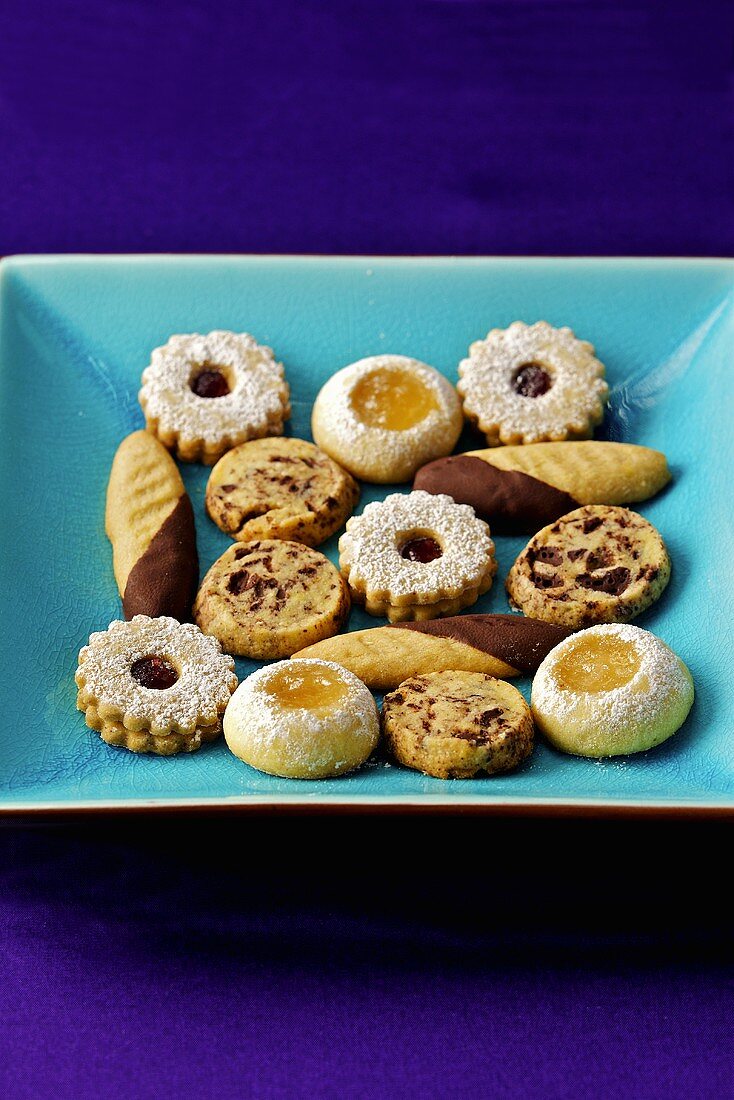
column 154, row 685
column 271, row 597
column 611, row 690
column 598, row 564
column 150, row 523
column 499, row 645
column 455, row 724
column 521, row 489
column 280, row 489
column 302, row 720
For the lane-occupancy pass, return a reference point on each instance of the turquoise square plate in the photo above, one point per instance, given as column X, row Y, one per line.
column 75, row 335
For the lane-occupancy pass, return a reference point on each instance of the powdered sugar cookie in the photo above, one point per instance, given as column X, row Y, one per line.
column 383, row 417
column 416, row 556
column 302, row 720
column 611, row 690
column 530, row 383
column 202, row 395
column 154, row 685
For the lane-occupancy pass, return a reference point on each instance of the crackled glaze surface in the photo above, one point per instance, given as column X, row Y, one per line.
column 74, row 335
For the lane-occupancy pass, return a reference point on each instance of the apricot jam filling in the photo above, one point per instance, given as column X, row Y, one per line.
column 602, row 663
column 305, row 686
column 393, row 399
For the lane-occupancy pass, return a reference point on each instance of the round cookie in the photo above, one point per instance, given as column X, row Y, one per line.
column 383, row 417
column 453, row 725
column 202, row 395
column 416, row 556
column 270, row 598
column 302, row 720
column 609, row 691
column 530, row 383
column 598, row 564
column 280, row 489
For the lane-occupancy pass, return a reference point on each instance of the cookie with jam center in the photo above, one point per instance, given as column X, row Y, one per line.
column 280, row 489
column 597, row 564
column 453, row 725
column 270, row 598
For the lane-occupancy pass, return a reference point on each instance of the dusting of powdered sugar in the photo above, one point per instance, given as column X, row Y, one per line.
column 369, row 549
column 206, row 676
column 257, row 402
column 574, row 402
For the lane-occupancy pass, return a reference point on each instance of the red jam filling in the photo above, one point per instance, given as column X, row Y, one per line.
column 210, row 383
column 532, row 380
column 153, row 672
column 422, row 550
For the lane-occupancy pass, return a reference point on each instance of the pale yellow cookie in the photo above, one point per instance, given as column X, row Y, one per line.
column 609, row 691
column 202, row 395
column 454, row 725
column 150, row 523
column 598, row 564
column 271, row 597
column 280, row 489
column 383, row 417
column 530, row 383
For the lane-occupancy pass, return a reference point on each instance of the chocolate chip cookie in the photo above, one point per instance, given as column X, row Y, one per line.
column 280, row 489
column 270, row 598
column 597, row 564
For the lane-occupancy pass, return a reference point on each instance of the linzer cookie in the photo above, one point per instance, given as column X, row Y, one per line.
column 598, row 564
column 454, row 725
column 202, row 395
column 280, row 489
column 383, row 417
column 530, row 383
column 611, row 690
column 271, row 597
column 520, row 489
column 499, row 645
column 154, row 685
column 150, row 523
column 416, row 556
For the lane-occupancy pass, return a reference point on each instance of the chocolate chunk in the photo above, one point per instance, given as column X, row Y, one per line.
column 591, row 523
column 546, row 580
column 613, row 582
column 489, row 716
column 550, row 554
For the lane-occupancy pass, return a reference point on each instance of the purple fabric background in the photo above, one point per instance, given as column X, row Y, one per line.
column 434, row 958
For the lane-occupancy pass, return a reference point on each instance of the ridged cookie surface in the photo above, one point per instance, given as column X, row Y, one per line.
column 150, row 523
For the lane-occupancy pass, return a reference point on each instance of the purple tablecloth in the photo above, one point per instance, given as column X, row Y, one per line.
column 431, row 958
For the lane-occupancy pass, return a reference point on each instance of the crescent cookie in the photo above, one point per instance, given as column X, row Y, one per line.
column 520, row 489
column 302, row 720
column 383, row 417
column 150, row 523
column 530, row 383
column 280, row 489
column 453, row 725
column 609, row 691
column 271, row 597
column 499, row 645
column 598, row 564
column 154, row 685
column 416, row 556
column 202, row 395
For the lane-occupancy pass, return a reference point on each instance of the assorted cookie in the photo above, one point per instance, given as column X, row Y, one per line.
column 150, row 523
column 270, row 598
column 530, row 383
column 453, row 725
column 154, row 685
column 202, row 395
column 280, row 489
column 383, row 417
column 609, row 691
column 302, row 720
column 598, row 564
column 520, row 489
column 504, row 646
column 416, row 556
